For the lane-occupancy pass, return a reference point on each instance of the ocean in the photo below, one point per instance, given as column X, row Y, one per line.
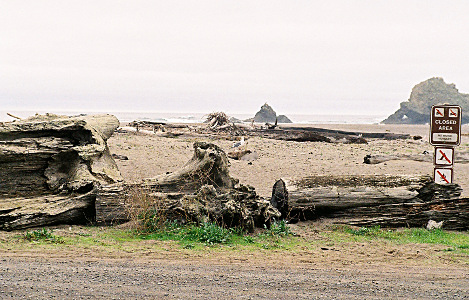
column 199, row 117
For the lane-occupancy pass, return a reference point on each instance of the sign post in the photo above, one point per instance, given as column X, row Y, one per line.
column 445, row 133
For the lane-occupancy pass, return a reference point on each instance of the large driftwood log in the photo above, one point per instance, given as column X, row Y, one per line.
column 340, row 133
column 49, row 167
column 201, row 191
column 208, row 165
column 459, row 157
column 45, row 210
column 384, row 200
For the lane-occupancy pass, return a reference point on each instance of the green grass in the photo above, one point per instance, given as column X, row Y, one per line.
column 210, row 234
column 42, row 235
column 454, row 240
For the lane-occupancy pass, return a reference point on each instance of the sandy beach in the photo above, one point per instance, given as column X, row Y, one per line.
column 150, row 155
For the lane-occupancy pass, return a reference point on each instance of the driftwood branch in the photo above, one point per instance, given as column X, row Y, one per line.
column 459, row 157
column 13, row 116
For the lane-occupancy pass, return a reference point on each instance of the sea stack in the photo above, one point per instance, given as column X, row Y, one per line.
column 267, row 115
column 425, row 94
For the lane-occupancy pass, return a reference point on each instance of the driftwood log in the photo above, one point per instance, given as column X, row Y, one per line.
column 385, row 200
column 303, row 134
column 200, row 191
column 50, row 166
column 459, row 157
column 338, row 134
column 58, row 169
column 209, row 165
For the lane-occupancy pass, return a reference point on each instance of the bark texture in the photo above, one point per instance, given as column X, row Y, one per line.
column 366, row 200
column 49, row 167
column 201, row 191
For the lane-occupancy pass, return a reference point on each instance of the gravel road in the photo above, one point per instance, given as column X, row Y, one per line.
column 58, row 278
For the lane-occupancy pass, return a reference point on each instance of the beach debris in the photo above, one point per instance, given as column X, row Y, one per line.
column 50, row 166
column 119, row 156
column 461, row 157
column 217, row 119
column 370, row 200
column 13, row 116
column 434, row 225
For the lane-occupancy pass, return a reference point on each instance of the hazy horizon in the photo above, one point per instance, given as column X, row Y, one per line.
column 301, row 57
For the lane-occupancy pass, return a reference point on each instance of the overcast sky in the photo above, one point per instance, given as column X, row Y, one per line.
column 302, row 57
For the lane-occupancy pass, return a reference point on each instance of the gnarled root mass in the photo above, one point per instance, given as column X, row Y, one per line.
column 200, row 191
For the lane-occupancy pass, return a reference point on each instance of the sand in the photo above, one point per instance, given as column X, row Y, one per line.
column 150, row 155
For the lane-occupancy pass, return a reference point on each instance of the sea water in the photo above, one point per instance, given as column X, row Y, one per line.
column 188, row 117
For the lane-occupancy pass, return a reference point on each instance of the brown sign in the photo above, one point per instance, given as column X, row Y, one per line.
column 445, row 125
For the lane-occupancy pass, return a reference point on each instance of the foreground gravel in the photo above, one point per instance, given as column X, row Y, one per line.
column 49, row 278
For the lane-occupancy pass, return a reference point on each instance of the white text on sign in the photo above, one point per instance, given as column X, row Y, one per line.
column 445, row 137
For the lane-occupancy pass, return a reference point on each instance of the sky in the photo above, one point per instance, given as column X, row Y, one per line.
column 301, row 57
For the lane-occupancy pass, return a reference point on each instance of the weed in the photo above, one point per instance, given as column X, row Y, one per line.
column 189, row 246
column 42, row 235
column 279, row 228
column 147, row 212
column 365, row 231
column 209, row 233
column 249, row 239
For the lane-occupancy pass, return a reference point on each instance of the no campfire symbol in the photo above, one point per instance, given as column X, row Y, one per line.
column 443, row 175
column 444, row 156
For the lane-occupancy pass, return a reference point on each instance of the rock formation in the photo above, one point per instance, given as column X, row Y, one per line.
column 267, row 115
column 425, row 94
column 49, row 167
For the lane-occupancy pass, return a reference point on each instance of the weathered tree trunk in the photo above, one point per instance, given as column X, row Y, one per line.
column 50, row 166
column 309, row 136
column 208, row 165
column 201, row 191
column 45, row 210
column 338, row 134
column 384, row 200
column 459, row 157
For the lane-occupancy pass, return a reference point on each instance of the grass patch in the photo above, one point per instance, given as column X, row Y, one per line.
column 453, row 239
column 42, row 235
column 211, row 234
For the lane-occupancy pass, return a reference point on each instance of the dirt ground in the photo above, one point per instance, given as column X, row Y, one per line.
column 58, row 278
column 322, row 269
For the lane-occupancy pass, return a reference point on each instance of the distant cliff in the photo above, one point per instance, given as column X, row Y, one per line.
column 425, row 94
